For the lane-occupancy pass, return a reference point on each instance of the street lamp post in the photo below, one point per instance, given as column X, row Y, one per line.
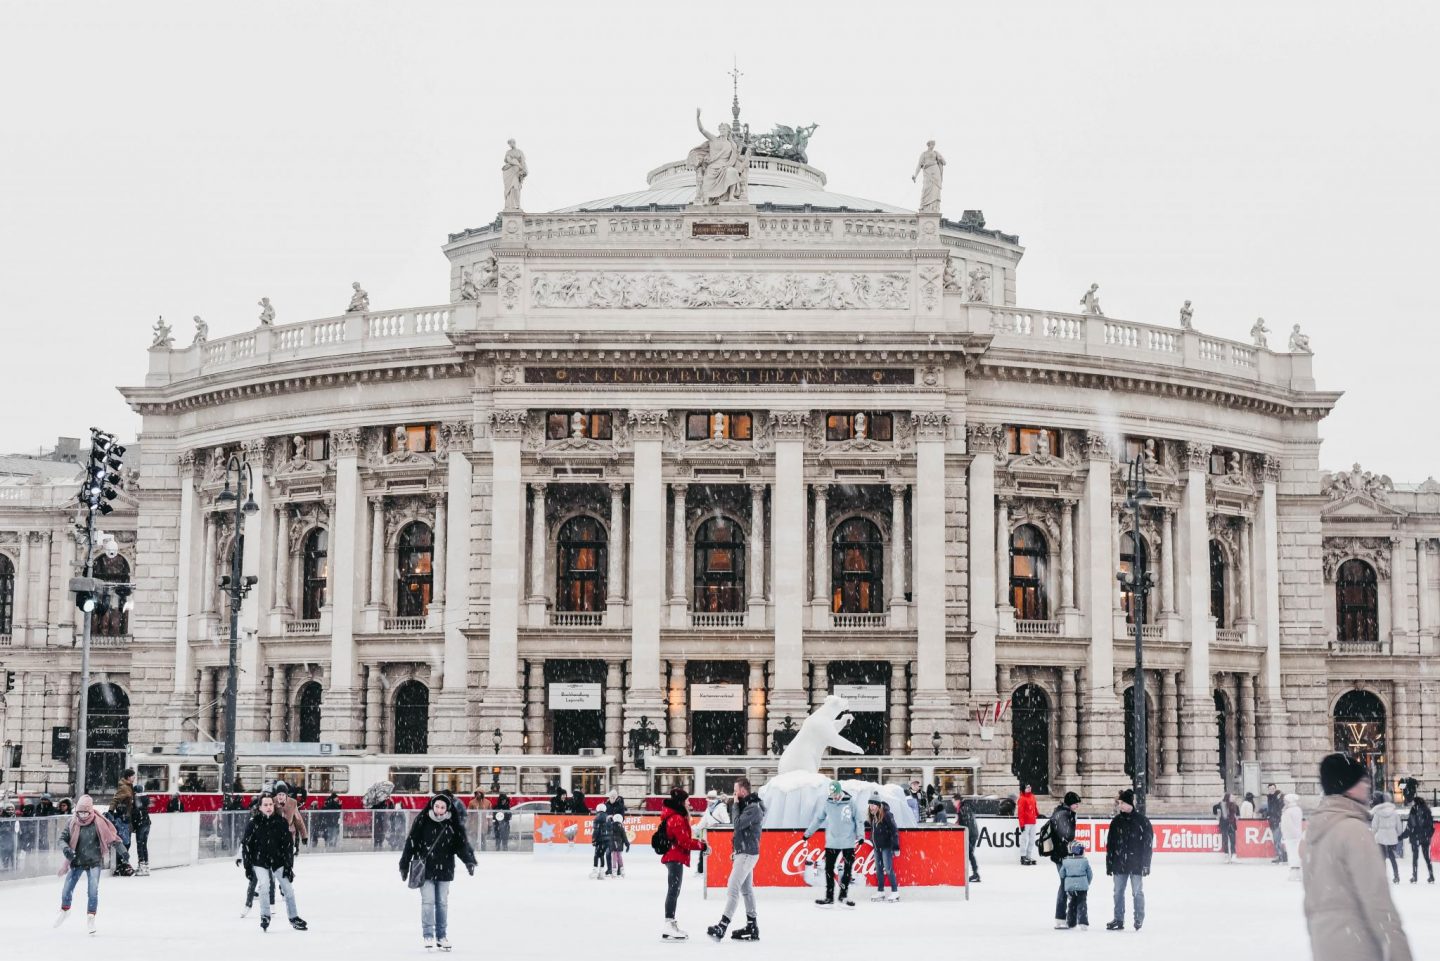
column 497, row 736
column 237, row 586
column 1137, row 583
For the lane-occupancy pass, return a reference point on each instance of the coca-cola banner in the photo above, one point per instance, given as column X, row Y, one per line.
column 928, row 857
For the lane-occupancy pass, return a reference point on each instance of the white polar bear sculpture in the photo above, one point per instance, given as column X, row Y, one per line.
column 798, row 791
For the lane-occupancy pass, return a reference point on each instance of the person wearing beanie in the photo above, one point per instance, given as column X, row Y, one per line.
column 1348, row 908
column 1075, row 877
column 269, row 849
column 88, row 840
column 289, row 809
column 437, row 837
column 140, row 821
column 841, row 819
column 1419, row 828
column 676, row 843
column 1128, row 851
column 1055, row 839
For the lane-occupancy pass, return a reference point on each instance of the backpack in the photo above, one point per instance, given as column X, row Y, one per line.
column 1047, row 841
column 660, row 841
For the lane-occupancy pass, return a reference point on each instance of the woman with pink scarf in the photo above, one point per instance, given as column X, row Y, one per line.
column 88, row 839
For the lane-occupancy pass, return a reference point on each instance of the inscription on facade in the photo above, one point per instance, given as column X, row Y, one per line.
column 719, row 230
column 739, row 376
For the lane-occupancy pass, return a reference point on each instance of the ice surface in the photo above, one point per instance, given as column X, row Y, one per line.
column 521, row 907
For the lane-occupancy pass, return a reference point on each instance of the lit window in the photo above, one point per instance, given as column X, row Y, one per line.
column 1357, row 607
column 723, row 424
column 419, row 438
column 1028, row 557
column 414, row 562
column 719, row 566
column 856, row 563
column 861, row 425
column 317, row 572
column 581, row 565
column 587, row 424
column 1028, row 440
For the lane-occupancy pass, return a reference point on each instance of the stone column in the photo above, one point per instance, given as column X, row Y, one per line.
column 20, row 609
column 539, row 542
column 819, row 683
column 1403, row 726
column 459, row 492
column 1068, row 726
column 932, row 698
column 755, row 574
column 501, row 705
column 1426, row 612
column 1249, row 750
column 614, row 699
column 1103, row 740
column 1002, row 555
column 1167, row 564
column 1197, row 725
column 207, row 572
column 647, row 568
column 279, row 595
column 1399, row 599
column 679, row 549
column 1245, row 605
column 1067, row 558
column 537, row 704
column 377, row 552
column 340, row 717
column 260, row 535
column 896, row 705
column 676, row 706
column 981, row 441
column 788, row 509
column 374, row 707
column 212, row 709
column 1169, row 718
column 820, row 554
column 1275, row 754
column 897, row 555
column 279, row 694
column 185, row 588
column 755, row 716
column 438, row 561
column 615, row 558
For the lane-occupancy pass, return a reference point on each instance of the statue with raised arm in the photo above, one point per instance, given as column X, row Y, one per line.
column 359, row 300
column 720, row 164
column 202, row 331
column 162, row 338
column 1090, row 302
column 1258, row 330
column 1299, row 343
column 932, row 165
column 267, row 313
column 1186, row 313
column 513, row 172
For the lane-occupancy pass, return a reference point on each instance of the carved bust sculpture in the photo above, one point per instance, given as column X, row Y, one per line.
column 1042, row 447
column 577, row 425
column 717, row 430
column 1148, row 456
column 862, row 424
column 298, row 457
column 1235, row 468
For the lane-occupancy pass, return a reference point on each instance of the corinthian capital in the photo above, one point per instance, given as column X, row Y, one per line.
column 983, row 438
column 1197, row 456
column 456, row 435
column 790, row 424
column 507, row 424
column 930, row 424
column 1096, row 446
column 345, row 442
column 254, row 449
column 647, row 424
column 1269, row 468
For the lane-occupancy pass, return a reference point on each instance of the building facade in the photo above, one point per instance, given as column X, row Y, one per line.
column 705, row 464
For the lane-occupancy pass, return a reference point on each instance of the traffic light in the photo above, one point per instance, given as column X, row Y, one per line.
column 102, row 474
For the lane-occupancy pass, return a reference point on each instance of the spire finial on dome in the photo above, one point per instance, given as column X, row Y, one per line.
column 735, row 75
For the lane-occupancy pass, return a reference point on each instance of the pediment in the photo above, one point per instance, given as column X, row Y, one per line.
column 1359, row 505
column 583, row 447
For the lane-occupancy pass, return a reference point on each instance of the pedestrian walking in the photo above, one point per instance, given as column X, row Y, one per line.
column 1347, row 902
column 1292, row 828
column 121, row 813
column 1420, row 829
column 1385, row 825
column 965, row 816
column 1075, row 877
column 1226, row 813
column 141, row 825
column 89, row 840
column 885, row 840
column 270, row 851
column 436, row 839
column 1054, row 842
column 673, row 842
column 1129, row 848
column 1028, row 813
column 744, row 854
column 840, row 818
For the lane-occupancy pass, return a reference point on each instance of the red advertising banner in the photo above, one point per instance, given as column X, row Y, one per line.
column 1171, row 837
column 927, row 858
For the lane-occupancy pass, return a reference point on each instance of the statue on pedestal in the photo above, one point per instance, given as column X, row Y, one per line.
column 513, row 172
column 1186, row 313
column 1258, row 330
column 202, row 331
column 359, row 300
column 1299, row 343
column 267, row 313
column 1090, row 302
column 721, row 164
column 932, row 165
column 162, row 338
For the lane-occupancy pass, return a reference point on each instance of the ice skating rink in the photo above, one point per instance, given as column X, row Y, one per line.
column 519, row 906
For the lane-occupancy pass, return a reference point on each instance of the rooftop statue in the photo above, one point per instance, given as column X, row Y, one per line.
column 1090, row 302
column 161, row 330
column 1299, row 343
column 202, row 330
column 932, row 165
column 1258, row 330
column 787, row 143
column 978, row 290
column 1186, row 313
column 359, row 300
column 267, row 313
column 513, row 172
column 721, row 164
column 468, row 290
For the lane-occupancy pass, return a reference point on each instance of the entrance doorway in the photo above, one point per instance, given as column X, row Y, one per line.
column 1360, row 732
column 1030, row 737
column 412, row 718
column 716, row 696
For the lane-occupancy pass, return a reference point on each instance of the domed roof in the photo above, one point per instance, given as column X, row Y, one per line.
column 775, row 184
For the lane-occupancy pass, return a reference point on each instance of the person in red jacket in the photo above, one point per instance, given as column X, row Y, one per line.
column 1028, row 814
column 676, row 823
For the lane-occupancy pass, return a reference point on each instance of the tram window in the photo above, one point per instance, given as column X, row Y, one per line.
column 589, row 780
column 292, row 774
column 669, row 778
column 722, row 780
column 323, row 780
column 456, row 780
column 859, row 773
column 952, row 781
column 537, row 780
column 410, row 780
column 155, row 778
column 200, row 778
column 759, row 775
column 250, row 777
column 901, row 776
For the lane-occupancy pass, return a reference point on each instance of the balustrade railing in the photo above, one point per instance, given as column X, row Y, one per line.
column 1357, row 647
column 402, row 625
column 576, row 618
column 1229, row 635
column 1152, row 632
column 714, row 619
column 5, row 640
column 1037, row 628
column 858, row 621
column 116, row 640
column 304, row 627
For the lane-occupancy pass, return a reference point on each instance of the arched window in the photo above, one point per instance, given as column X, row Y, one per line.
column 7, row 594
column 113, row 622
column 1128, row 563
column 412, row 718
column 1028, row 557
column 317, row 573
column 580, row 565
column 856, row 562
column 107, row 736
column 1357, row 603
column 1030, row 737
column 719, row 566
column 1217, row 584
column 414, row 564
column 1360, row 730
column 309, row 712
column 1224, row 720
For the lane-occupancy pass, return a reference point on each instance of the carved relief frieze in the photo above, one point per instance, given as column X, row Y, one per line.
column 648, row 425
column 824, row 290
column 345, row 442
column 1357, row 482
column 403, row 510
column 930, row 278
column 1375, row 551
column 457, row 436
column 510, row 275
column 1197, row 456
column 1097, row 446
column 215, row 466
column 1042, row 512
column 930, row 425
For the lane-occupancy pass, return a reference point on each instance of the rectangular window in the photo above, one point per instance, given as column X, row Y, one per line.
column 1027, row 440
column 1217, row 460
column 410, row 780
column 202, row 778
column 700, row 426
column 877, row 426
column 317, row 447
column 323, row 780
column 588, row 424
column 456, row 780
column 155, row 778
column 421, row 438
column 1135, row 447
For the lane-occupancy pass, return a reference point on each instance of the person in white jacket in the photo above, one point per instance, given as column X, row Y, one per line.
column 1292, row 827
column 1385, row 825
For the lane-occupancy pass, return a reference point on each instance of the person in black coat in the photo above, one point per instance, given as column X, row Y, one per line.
column 560, row 803
column 1274, row 807
column 436, row 839
column 1127, row 858
column 1058, row 833
column 577, row 803
column 965, row 814
column 1420, row 829
column 500, row 816
column 270, row 852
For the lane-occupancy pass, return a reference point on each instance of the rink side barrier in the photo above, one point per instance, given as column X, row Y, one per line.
column 929, row 857
column 30, row 847
column 576, row 832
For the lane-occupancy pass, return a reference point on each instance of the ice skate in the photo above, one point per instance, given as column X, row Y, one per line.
column 443, row 944
column 1060, row 925
column 1084, row 927
column 90, row 923
column 672, row 932
column 264, row 923
column 429, row 944
column 298, row 923
column 717, row 931
column 751, row 932
column 1138, row 922
column 974, row 879
column 144, row 871
column 826, row 901
column 1115, row 926
column 893, row 896
column 62, row 916
column 879, row 897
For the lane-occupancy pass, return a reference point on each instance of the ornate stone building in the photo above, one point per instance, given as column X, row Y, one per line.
column 704, row 463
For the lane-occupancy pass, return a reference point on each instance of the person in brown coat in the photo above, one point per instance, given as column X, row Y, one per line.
column 287, row 807
column 1347, row 902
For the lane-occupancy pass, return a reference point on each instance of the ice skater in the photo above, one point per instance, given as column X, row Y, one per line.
column 1075, row 876
column 89, row 840
column 436, row 839
column 1385, row 825
column 673, row 842
column 600, row 843
column 1129, row 850
column 885, row 840
column 142, row 834
column 619, row 844
column 1292, row 828
column 841, row 821
column 270, row 850
column 1028, row 813
column 744, row 853
column 1420, row 829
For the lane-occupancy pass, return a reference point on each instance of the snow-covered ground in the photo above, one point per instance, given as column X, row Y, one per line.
column 520, row 906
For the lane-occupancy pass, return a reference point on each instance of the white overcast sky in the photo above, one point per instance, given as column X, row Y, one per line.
column 1275, row 159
